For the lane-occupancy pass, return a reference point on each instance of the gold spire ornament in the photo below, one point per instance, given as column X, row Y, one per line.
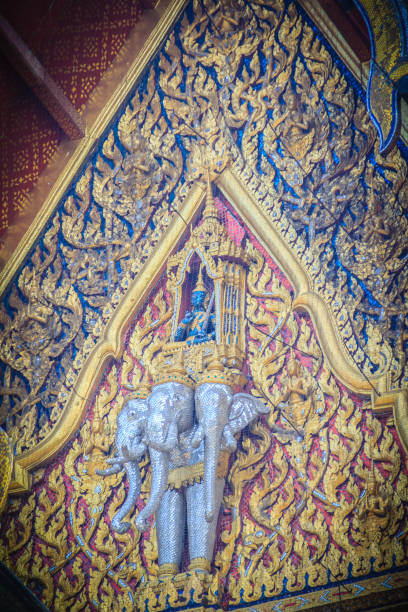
column 210, row 209
column 211, row 248
column 200, row 282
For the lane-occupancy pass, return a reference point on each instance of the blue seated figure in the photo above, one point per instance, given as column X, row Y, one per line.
column 196, row 326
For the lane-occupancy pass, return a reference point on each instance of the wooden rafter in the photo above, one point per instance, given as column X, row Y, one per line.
column 42, row 84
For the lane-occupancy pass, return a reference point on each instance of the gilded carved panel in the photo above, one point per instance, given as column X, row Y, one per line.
column 315, row 490
column 308, row 283
column 268, row 97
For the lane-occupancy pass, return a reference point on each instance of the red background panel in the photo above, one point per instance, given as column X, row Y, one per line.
column 76, row 41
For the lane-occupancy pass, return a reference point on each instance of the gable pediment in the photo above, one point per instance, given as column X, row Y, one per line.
column 288, row 136
column 129, row 298
column 308, row 314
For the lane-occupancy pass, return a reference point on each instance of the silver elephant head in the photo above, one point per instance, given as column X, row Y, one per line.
column 171, row 413
column 220, row 414
column 131, row 425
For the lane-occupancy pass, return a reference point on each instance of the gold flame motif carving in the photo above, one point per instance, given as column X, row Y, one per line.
column 299, row 499
column 243, row 90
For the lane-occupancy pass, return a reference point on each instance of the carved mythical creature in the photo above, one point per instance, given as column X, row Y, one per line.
column 375, row 512
column 377, row 228
column 296, row 125
column 296, row 399
column 166, row 424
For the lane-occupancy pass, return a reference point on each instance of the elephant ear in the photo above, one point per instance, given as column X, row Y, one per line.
column 244, row 409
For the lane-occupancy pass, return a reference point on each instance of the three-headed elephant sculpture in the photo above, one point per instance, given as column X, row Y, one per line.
column 180, row 427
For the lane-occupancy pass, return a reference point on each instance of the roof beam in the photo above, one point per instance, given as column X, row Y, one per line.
column 40, row 82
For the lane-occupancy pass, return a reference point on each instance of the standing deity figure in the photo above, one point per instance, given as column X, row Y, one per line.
column 375, row 511
column 197, row 325
column 296, row 400
column 376, row 505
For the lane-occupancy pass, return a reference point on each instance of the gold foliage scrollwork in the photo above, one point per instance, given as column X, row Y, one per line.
column 247, row 84
column 48, row 319
column 72, row 533
column 298, row 491
column 71, row 509
column 308, row 119
column 75, row 271
column 299, row 504
column 304, row 476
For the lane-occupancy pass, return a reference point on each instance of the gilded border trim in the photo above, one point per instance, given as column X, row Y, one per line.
column 401, row 417
column 328, row 598
column 359, row 69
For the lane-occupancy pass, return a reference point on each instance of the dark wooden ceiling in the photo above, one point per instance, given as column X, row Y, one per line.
column 75, row 41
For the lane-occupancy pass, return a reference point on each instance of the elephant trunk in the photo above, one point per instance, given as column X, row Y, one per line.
column 135, row 482
column 160, row 469
column 213, row 403
column 116, row 467
column 211, row 452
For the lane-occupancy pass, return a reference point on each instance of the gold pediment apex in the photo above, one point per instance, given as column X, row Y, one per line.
column 115, row 321
column 211, row 243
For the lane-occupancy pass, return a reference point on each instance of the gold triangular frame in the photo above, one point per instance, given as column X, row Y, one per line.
column 110, row 345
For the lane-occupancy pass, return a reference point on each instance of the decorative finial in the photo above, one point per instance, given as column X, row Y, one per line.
column 200, row 282
column 210, row 208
